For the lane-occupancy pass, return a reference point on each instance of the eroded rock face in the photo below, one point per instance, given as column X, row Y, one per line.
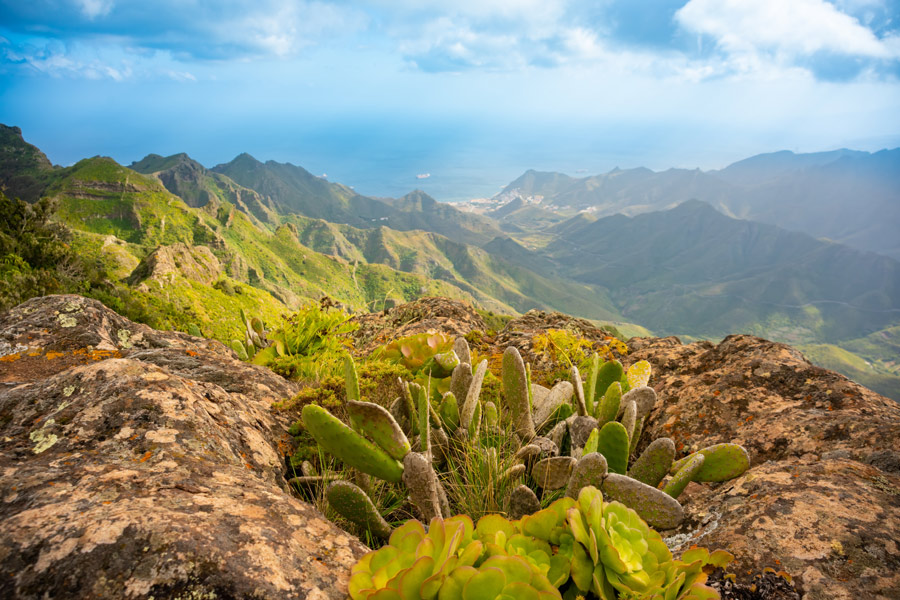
column 821, row 500
column 147, row 464
column 196, row 263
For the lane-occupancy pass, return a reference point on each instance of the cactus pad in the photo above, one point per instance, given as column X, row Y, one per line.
column 553, row 473
column 609, row 372
column 591, row 469
column 612, row 443
column 723, row 462
column 351, row 380
column 449, row 411
column 354, row 505
column 376, row 422
column 638, row 374
column 629, row 420
column 644, row 397
column 467, row 412
column 347, row 445
column 654, row 463
column 686, row 474
column 422, row 483
column 608, row 409
column 461, row 347
column 546, row 407
column 522, row 501
column 580, row 429
column 580, row 406
column 659, row 509
column 515, row 388
column 460, row 380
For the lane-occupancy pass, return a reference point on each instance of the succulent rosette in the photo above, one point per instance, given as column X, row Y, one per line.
column 449, row 563
column 618, row 556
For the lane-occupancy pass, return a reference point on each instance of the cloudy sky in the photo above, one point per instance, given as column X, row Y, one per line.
column 534, row 83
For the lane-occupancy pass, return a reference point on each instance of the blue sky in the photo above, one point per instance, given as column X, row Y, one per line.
column 550, row 84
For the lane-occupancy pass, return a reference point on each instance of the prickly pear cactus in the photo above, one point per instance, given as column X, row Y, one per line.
column 515, row 388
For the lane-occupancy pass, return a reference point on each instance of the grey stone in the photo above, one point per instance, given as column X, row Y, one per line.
column 522, row 501
column 580, row 429
column 591, row 469
column 553, row 473
column 660, row 510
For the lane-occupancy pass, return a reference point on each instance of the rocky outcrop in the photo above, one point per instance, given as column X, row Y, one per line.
column 139, row 463
column 453, row 317
column 147, row 464
column 196, row 263
column 821, row 500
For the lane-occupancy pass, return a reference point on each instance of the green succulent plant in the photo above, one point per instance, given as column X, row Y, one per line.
column 448, row 562
column 423, row 351
column 618, row 556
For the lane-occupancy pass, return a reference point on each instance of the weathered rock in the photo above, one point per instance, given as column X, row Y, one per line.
column 452, row 317
column 591, row 469
column 809, row 505
column 522, row 501
column 559, row 394
column 553, row 473
column 579, row 429
column 139, row 464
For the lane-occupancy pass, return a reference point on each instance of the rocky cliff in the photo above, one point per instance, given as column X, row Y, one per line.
column 140, row 464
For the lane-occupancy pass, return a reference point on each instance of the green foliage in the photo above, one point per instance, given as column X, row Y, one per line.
column 722, row 462
column 309, row 344
column 35, row 257
column 451, row 562
column 495, row 322
column 618, row 555
column 420, row 352
column 347, row 445
column 571, row 548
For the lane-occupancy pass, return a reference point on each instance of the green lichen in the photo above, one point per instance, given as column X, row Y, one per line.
column 42, row 438
column 124, row 338
column 68, row 390
column 66, row 320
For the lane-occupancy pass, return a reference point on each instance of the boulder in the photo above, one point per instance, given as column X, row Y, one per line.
column 146, row 464
column 821, row 500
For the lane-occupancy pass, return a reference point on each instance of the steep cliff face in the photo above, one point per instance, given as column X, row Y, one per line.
column 139, row 463
column 146, row 464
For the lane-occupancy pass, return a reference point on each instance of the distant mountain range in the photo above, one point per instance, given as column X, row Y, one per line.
column 674, row 251
column 846, row 196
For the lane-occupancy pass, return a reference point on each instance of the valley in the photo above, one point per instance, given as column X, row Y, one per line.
column 700, row 255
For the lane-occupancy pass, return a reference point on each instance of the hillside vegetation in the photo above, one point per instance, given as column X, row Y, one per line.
column 173, row 244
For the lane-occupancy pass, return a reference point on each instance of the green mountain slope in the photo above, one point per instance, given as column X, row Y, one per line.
column 124, row 219
column 418, row 210
column 496, row 283
column 200, row 187
column 693, row 270
column 294, row 190
column 25, row 171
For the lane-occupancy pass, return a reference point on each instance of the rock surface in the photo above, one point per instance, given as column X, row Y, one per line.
column 146, row 464
column 115, row 439
column 821, row 500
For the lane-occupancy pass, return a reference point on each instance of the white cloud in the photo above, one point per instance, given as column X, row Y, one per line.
column 96, row 8
column 795, row 27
